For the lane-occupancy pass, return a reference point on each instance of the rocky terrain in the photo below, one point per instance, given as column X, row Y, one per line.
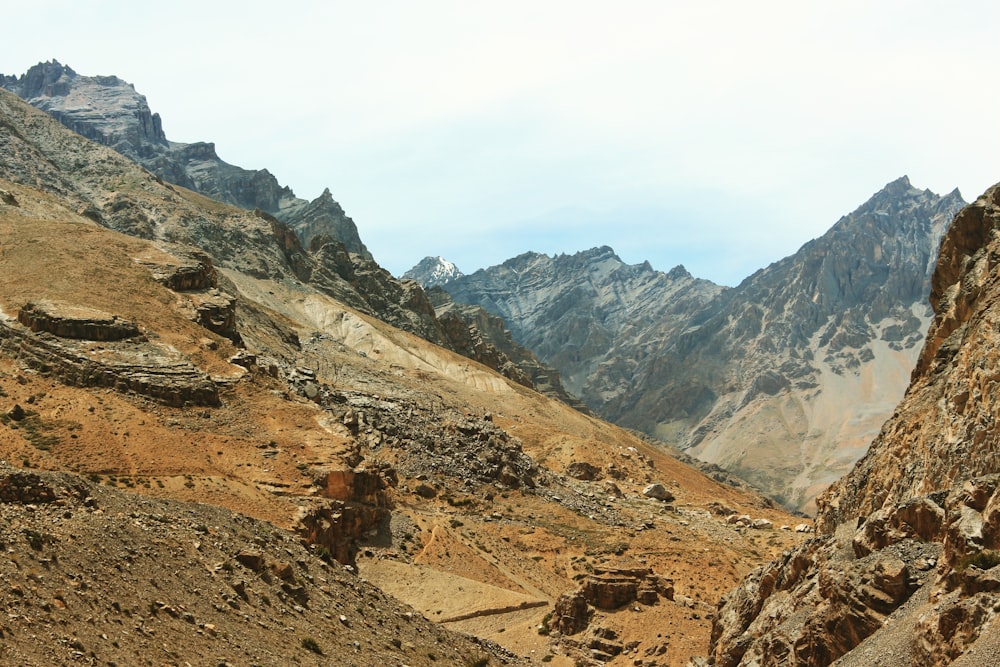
column 489, row 508
column 783, row 380
column 904, row 571
column 94, row 575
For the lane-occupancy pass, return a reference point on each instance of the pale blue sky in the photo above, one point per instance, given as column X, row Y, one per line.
column 720, row 135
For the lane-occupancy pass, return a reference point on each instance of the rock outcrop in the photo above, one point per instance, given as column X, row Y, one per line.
column 359, row 502
column 68, row 321
column 140, row 367
column 912, row 534
column 606, row 589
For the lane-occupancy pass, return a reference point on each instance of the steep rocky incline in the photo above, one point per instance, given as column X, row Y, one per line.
column 905, row 570
column 945, row 431
column 783, row 380
column 92, row 575
column 109, row 111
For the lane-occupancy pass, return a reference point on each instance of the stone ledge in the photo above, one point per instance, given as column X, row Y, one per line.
column 69, row 321
column 135, row 366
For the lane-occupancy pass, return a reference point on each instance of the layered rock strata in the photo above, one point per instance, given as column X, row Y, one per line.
column 67, row 321
column 129, row 366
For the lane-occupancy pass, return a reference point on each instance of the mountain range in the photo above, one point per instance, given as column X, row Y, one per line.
column 783, row 380
column 322, row 243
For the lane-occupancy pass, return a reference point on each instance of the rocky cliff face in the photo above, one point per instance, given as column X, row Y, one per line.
column 905, row 571
column 109, row 111
column 944, row 431
column 783, row 380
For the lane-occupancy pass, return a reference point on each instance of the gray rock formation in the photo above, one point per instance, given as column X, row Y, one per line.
column 138, row 366
column 572, row 310
column 784, row 379
column 480, row 335
column 109, row 111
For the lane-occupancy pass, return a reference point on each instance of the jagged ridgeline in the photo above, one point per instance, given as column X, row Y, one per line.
column 783, row 380
column 109, row 111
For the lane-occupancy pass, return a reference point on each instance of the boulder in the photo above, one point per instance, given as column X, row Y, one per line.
column 583, row 471
column 657, row 491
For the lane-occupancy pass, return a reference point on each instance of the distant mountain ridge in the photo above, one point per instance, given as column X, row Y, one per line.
column 570, row 309
column 108, row 110
column 783, row 379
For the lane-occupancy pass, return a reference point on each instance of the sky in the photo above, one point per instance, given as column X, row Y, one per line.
column 718, row 135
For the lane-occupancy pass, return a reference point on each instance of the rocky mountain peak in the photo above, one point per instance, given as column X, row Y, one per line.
column 434, row 271
column 679, row 272
column 108, row 110
column 44, row 79
column 324, row 216
column 104, row 109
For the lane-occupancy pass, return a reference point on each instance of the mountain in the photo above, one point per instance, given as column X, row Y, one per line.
column 904, row 571
column 782, row 380
column 187, row 390
column 571, row 310
column 109, row 111
column 433, row 272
